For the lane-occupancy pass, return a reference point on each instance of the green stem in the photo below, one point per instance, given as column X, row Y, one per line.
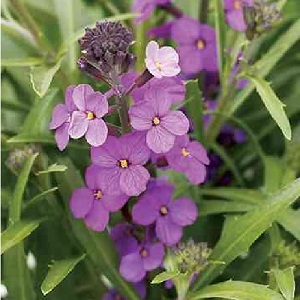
column 123, row 113
column 203, row 12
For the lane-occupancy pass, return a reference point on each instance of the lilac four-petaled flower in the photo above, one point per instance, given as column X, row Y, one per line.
column 160, row 123
column 235, row 15
column 121, row 161
column 87, row 120
column 156, row 206
column 61, row 118
column 189, row 157
column 145, row 8
column 146, row 257
column 93, row 203
column 196, row 45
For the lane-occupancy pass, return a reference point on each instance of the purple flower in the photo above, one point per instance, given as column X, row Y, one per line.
column 87, row 119
column 156, row 206
column 196, row 45
column 145, row 8
column 121, row 161
column 234, row 13
column 93, row 203
column 173, row 86
column 61, row 119
column 189, row 157
column 122, row 235
column 160, row 123
column 147, row 257
column 230, row 136
column 161, row 62
column 163, row 31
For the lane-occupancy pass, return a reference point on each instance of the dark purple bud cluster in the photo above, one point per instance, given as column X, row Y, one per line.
column 105, row 51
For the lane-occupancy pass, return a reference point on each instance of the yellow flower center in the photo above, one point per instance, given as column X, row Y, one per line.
column 163, row 210
column 237, row 4
column 144, row 253
column 90, row 115
column 98, row 194
column 123, row 163
column 158, row 65
column 200, row 44
column 184, row 152
column 156, row 121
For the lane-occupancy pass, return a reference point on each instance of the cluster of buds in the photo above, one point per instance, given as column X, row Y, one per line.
column 105, row 51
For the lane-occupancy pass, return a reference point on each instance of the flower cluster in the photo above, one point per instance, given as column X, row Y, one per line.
column 121, row 177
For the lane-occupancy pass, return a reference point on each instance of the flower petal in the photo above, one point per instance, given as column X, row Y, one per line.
column 110, row 180
column 132, row 268
column 143, row 212
column 97, row 103
column 91, row 177
column 176, row 122
column 78, row 125
column 141, row 116
column 155, row 257
column 159, row 101
column 159, row 139
column 81, row 202
column 152, row 50
column 80, row 94
column 167, row 231
column 133, row 180
column 198, row 152
column 69, row 98
column 98, row 217
column 60, row 115
column 139, row 153
column 183, row 211
column 195, row 171
column 97, row 132
column 62, row 136
column 114, row 202
column 190, row 66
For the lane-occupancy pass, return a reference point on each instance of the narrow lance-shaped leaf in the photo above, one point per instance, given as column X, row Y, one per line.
column 236, row 290
column 273, row 104
column 16, row 273
column 286, row 282
column 239, row 233
column 164, row 276
column 17, row 232
column 58, row 271
column 42, row 76
column 53, row 168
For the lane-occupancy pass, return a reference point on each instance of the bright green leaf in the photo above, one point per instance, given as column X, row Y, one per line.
column 290, row 221
column 22, row 62
column 39, row 197
column 239, row 233
column 236, row 290
column 164, row 276
column 53, row 168
column 194, row 103
column 18, row 231
column 42, row 76
column 273, row 104
column 286, row 282
column 58, row 271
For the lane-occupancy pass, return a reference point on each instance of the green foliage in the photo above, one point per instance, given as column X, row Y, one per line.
column 58, row 271
column 286, row 282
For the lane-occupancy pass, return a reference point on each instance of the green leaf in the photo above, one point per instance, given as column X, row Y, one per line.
column 194, row 103
column 273, row 104
column 17, row 232
column 209, row 207
column 289, row 220
column 16, row 203
column 236, row 290
column 39, row 197
column 164, row 276
column 41, row 77
column 269, row 60
column 16, row 273
column 58, row 271
column 239, row 233
column 53, row 168
column 235, row 194
column 98, row 246
column 36, row 125
column 21, row 62
column 274, row 170
column 286, row 282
